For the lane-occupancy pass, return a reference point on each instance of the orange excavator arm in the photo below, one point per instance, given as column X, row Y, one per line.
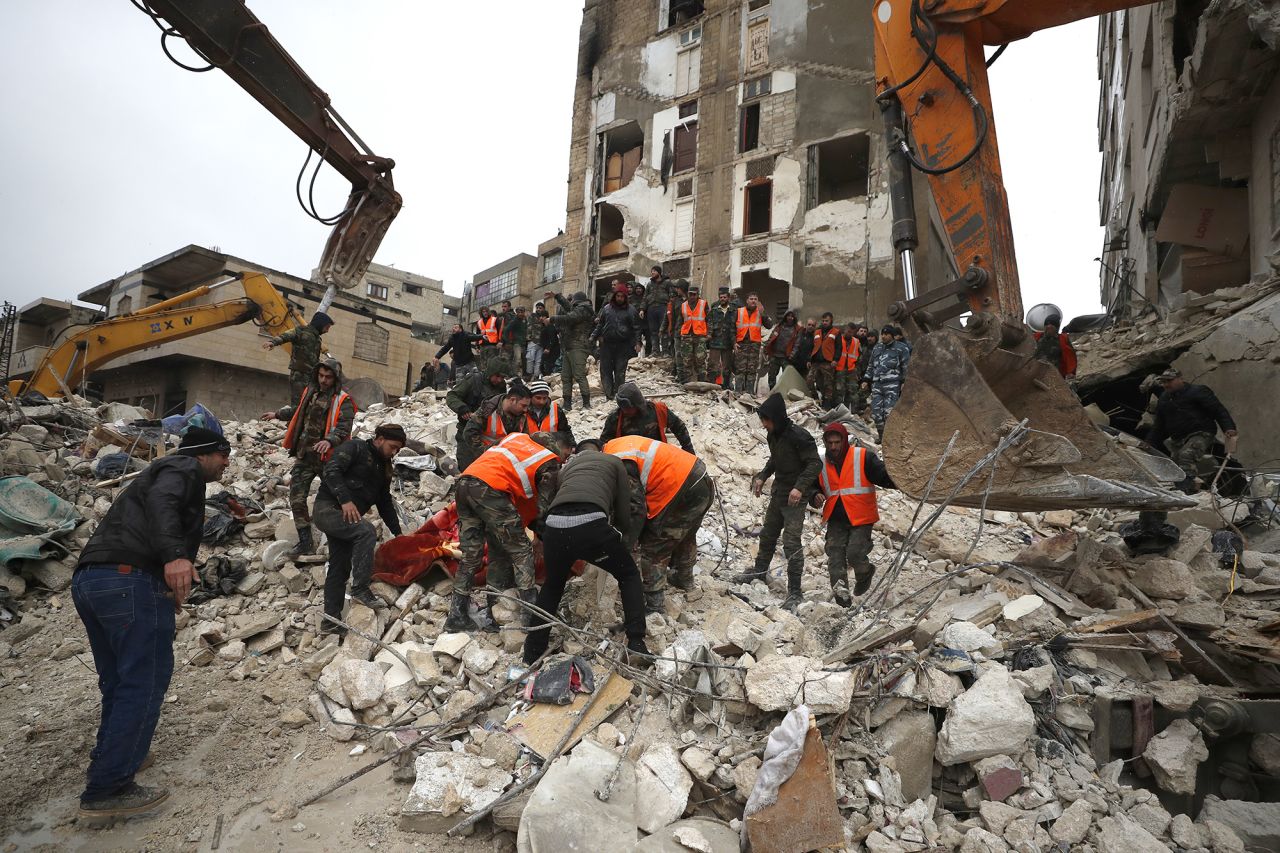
column 68, row 364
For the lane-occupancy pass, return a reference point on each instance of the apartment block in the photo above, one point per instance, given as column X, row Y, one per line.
column 515, row 279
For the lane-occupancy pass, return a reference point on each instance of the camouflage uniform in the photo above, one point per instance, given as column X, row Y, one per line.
column 574, row 324
column 304, row 355
column 487, row 516
column 473, row 432
column 822, row 374
column 886, row 372
column 465, row 397
column 1188, row 450
column 672, row 537
column 720, row 325
column 691, row 349
column 307, row 465
column 848, row 547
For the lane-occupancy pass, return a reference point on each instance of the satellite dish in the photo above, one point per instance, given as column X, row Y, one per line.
column 1039, row 313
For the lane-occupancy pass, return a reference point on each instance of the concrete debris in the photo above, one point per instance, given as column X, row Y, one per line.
column 1255, row 825
column 564, row 812
column 662, row 787
column 991, row 718
column 1175, row 754
column 449, row 786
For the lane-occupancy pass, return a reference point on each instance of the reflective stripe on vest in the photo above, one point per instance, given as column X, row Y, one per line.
column 749, row 325
column 824, row 344
column 660, row 409
column 693, row 323
column 547, row 424
column 489, row 329
column 330, row 421
column 494, row 429
column 854, row 491
column 849, row 355
column 523, row 466
column 663, row 468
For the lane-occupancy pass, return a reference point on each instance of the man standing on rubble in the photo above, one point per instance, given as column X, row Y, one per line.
column 467, row 395
column 1054, row 347
column 590, row 519
column 131, row 579
column 489, row 330
column 497, row 417
column 319, row 421
column 656, row 296
column 305, row 352
column 720, row 327
column 574, row 325
column 676, row 493
column 749, row 324
column 848, row 385
column 637, row 416
column 544, row 415
column 464, row 360
column 793, row 464
column 847, row 495
column 357, row 477
column 884, row 377
column 822, row 361
column 782, row 345
column 617, row 328
column 1186, row 422
column 509, row 488
column 691, row 347
column 515, row 334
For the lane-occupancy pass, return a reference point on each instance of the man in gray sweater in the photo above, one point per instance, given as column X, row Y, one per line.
column 589, row 520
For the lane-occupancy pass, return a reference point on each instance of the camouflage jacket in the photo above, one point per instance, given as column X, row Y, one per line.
column 307, row 347
column 721, row 322
column 574, row 323
column 467, row 395
column 888, row 363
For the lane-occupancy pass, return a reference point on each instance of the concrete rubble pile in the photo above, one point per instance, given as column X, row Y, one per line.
column 958, row 704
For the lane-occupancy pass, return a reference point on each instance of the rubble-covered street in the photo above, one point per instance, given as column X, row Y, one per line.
column 1011, row 682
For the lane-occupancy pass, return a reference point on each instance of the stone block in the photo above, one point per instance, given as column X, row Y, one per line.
column 991, row 718
column 662, row 787
column 1174, row 755
column 911, row 738
column 1000, row 777
column 448, row 787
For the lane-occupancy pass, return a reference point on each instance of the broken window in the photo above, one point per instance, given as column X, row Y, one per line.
column 378, row 291
column 757, row 207
column 623, row 148
column 839, row 169
column 412, row 289
column 371, row 343
column 686, row 138
column 682, row 11
column 688, row 71
column 1186, row 28
column 684, row 226
column 757, row 88
column 553, row 266
column 749, row 128
column 610, row 233
column 753, row 5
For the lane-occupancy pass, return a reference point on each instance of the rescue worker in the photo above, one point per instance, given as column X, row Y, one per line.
column 822, row 361
column 720, row 330
column 131, row 579
column 533, row 348
column 650, row 418
column 868, row 343
column 617, row 329
column 507, row 489
column 574, row 326
column 319, row 422
column 678, row 293
column 497, row 417
column 358, row 476
column 468, row 394
column 847, row 495
column 489, row 330
column 656, row 296
column 1187, row 420
column 848, row 383
column 793, row 464
column 1054, row 347
column 885, row 373
column 590, row 519
column 544, row 414
column 676, row 493
column 515, row 335
column 692, row 344
column 305, row 352
column 748, row 334
column 782, row 345
column 459, row 343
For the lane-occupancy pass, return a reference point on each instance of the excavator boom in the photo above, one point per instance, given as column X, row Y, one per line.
column 981, row 382
column 68, row 364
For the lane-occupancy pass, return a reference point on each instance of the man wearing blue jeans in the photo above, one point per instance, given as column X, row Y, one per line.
column 132, row 577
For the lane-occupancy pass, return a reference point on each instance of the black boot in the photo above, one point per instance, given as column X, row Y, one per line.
column 459, row 614
column 306, row 542
column 638, row 654
column 794, row 596
column 862, row 580
column 654, row 601
column 756, row 574
column 840, row 593
column 528, row 596
column 491, row 625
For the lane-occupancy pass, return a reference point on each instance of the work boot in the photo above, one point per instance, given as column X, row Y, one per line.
column 638, row 654
column 862, row 582
column 306, row 543
column 367, row 598
column 840, row 593
column 794, row 596
column 654, row 601
column 459, row 614
column 490, row 626
column 528, row 596
column 135, row 799
column 682, row 579
column 756, row 574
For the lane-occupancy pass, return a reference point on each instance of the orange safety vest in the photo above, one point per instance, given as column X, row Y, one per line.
column 511, row 467
column 547, row 424
column 660, row 409
column 335, row 408
column 851, row 486
column 824, row 343
column 849, row 354
column 749, row 326
column 488, row 329
column 495, row 429
column 663, row 467
column 694, row 323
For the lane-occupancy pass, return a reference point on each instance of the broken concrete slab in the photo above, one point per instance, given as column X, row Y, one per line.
column 662, row 787
column 968, row 637
column 828, row 692
column 1256, row 824
column 1159, row 577
column 449, row 787
column 991, row 718
column 978, row 840
column 911, row 738
column 774, row 684
column 1073, row 824
column 1174, row 755
column 696, row 834
column 565, row 814
column 362, row 682
column 1121, row 834
column 338, row 722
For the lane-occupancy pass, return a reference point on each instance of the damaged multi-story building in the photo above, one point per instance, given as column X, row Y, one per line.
column 734, row 143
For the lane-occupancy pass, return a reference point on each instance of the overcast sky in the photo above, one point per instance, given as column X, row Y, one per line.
column 115, row 156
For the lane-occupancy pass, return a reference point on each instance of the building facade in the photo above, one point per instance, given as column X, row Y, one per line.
column 1189, row 127
column 515, row 279
column 734, row 143
column 422, row 297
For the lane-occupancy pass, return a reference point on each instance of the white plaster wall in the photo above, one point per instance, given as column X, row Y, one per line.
column 788, row 193
column 1264, row 234
column 606, row 106
column 837, row 226
column 662, row 122
column 658, row 66
column 648, row 214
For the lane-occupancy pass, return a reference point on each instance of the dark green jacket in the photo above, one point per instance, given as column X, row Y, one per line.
column 599, row 479
column 467, row 395
column 574, row 323
column 793, row 460
column 306, row 347
column 721, row 322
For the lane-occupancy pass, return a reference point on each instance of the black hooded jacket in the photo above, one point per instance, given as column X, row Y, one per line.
column 793, row 453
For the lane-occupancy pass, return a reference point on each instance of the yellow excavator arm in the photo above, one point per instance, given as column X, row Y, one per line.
column 74, row 359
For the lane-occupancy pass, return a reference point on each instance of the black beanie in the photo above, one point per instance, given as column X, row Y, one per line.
column 321, row 320
column 198, row 441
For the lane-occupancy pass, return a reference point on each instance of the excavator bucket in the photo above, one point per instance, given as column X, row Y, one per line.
column 981, row 383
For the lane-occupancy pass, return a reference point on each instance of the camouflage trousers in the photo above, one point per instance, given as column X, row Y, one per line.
column 849, row 391
column 822, row 379
column 746, row 363
column 573, row 368
column 785, row 520
column 306, row 469
column 691, row 355
column 848, row 547
column 487, row 517
column 1188, row 450
column 720, row 366
column 672, row 537
column 485, row 354
column 777, row 365
column 884, row 396
column 298, row 382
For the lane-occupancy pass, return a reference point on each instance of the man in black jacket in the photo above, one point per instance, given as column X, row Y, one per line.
column 794, row 465
column 459, row 343
column 357, row 477
column 132, row 577
column 589, row 519
column 618, row 331
column 1187, row 420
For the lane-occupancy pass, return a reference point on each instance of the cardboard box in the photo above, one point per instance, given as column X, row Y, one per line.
column 1212, row 218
